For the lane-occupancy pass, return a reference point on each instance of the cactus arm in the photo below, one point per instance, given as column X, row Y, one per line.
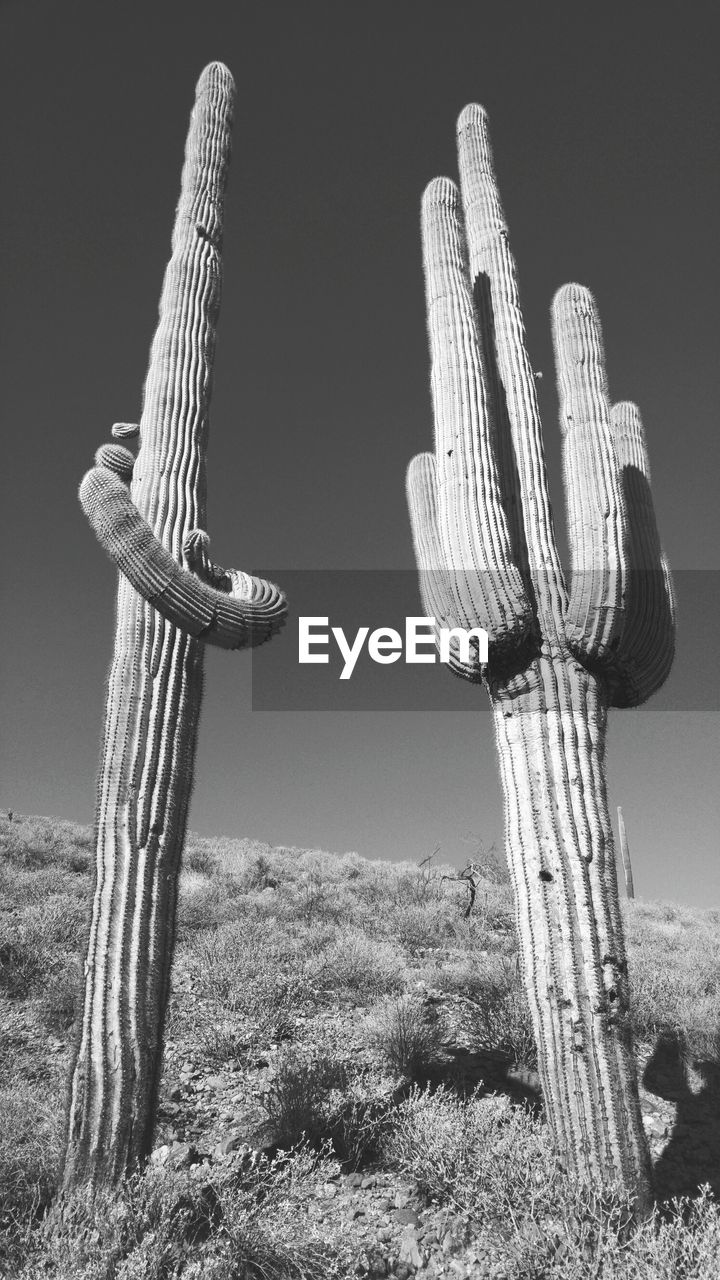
column 647, row 642
column 494, row 279
column 436, row 585
column 222, row 618
column 486, row 585
column 596, row 515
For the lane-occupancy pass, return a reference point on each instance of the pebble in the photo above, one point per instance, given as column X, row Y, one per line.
column 406, row 1215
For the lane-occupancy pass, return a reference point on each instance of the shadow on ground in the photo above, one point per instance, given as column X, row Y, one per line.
column 692, row 1154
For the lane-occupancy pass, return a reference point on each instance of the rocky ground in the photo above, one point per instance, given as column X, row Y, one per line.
column 210, row 1117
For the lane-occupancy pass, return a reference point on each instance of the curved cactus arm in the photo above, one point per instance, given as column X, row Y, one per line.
column 486, row 584
column 520, row 447
column 647, row 644
column 435, row 588
column 596, row 515
column 247, row 613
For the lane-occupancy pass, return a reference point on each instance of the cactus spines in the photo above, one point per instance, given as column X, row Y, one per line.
column 625, row 855
column 480, row 505
column 170, row 600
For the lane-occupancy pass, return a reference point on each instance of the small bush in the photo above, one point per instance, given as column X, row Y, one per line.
column 362, row 1120
column 197, row 857
column 480, row 1155
column 23, row 965
column 497, row 1005
column 674, row 968
column 30, row 1143
column 61, row 1001
column 354, row 965
column 298, row 1101
column 405, row 1041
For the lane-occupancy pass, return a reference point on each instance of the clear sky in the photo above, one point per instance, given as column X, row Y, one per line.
column 605, row 132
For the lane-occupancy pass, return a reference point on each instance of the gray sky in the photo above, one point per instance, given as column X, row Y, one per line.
column 605, row 136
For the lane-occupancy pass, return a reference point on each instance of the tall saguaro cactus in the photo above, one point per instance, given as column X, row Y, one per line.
column 559, row 655
column 170, row 601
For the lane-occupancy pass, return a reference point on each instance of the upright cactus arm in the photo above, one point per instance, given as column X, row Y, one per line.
column 439, row 598
column 620, row 615
column 485, row 586
column 521, row 456
column 596, row 515
column 647, row 643
column 170, row 599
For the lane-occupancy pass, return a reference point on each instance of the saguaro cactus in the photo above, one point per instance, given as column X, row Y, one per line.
column 170, row 600
column 559, row 656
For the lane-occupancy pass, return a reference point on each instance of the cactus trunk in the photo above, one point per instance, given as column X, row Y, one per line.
column 155, row 682
column 559, row 848
column 559, row 655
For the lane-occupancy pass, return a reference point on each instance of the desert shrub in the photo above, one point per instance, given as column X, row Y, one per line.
column 299, row 1099
column 61, row 1000
column 23, row 963
column 30, row 1148
column 59, row 921
column 320, row 1100
column 249, row 970
column 37, row 842
column 674, row 968
column 311, row 897
column 198, row 857
column 201, row 1225
column 205, row 903
column 492, row 1164
column 353, row 964
column 221, row 1042
column 480, row 1155
column 362, row 1119
column 497, row 1008
column 405, row 1041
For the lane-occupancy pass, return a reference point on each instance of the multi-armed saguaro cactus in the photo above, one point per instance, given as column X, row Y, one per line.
column 559, row 656
column 170, row 600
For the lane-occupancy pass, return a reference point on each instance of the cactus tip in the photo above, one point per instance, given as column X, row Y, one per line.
column 441, row 191
column 215, row 74
column 576, row 297
column 473, row 116
column 115, row 457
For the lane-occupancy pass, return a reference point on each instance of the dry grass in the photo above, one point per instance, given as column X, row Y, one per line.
column 268, row 937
